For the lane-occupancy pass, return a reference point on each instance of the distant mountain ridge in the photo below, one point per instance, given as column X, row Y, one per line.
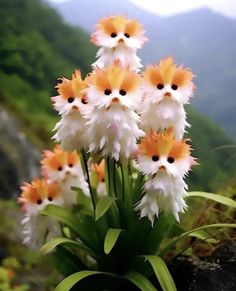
column 202, row 40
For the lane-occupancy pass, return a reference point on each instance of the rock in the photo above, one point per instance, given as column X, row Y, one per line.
column 19, row 160
column 215, row 273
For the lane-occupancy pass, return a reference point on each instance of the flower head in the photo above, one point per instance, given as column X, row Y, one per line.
column 58, row 164
column 114, row 87
column 37, row 194
column 71, row 96
column 115, row 31
column 64, row 168
column 165, row 161
column 162, row 153
column 167, row 81
column 112, row 123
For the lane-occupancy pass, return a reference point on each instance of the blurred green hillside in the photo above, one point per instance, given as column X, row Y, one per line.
column 37, row 47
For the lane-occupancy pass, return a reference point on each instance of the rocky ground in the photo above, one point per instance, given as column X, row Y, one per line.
column 214, row 273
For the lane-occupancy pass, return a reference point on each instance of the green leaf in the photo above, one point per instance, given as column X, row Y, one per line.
column 83, row 203
column 215, row 197
column 103, row 204
column 140, row 281
column 49, row 246
column 71, row 280
column 65, row 216
column 110, row 239
column 158, row 233
column 183, row 235
column 71, row 263
column 201, row 234
column 162, row 273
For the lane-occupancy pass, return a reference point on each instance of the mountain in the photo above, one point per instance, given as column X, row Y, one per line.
column 35, row 53
column 202, row 40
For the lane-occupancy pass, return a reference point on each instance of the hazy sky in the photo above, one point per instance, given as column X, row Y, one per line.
column 169, row 7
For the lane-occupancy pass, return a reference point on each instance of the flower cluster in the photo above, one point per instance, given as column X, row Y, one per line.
column 60, row 170
column 117, row 112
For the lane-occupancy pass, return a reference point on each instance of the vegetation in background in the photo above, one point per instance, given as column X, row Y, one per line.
column 216, row 163
column 28, row 270
column 37, row 47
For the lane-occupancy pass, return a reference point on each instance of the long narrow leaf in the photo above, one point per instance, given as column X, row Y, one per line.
column 110, row 239
column 215, row 197
column 162, row 273
column 103, row 204
column 201, row 234
column 183, row 235
column 140, row 281
column 71, row 280
column 64, row 216
column 51, row 245
column 157, row 233
column 71, row 263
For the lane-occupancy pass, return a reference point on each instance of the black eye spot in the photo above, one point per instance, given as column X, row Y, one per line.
column 126, row 35
column 174, row 87
column 70, row 165
column 107, row 92
column 59, row 168
column 71, row 99
column 84, row 101
column 160, row 86
column 170, row 160
column 155, row 158
column 113, row 34
column 50, row 198
column 39, row 201
column 122, row 92
column 103, row 180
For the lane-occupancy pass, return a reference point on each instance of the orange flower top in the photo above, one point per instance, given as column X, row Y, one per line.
column 59, row 158
column 71, row 88
column 167, row 73
column 36, row 191
column 164, row 144
column 114, row 77
column 119, row 24
column 99, row 169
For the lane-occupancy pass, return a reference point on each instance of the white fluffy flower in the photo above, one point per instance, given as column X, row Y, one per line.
column 71, row 132
column 166, row 89
column 71, row 96
column 119, row 39
column 113, row 128
column 165, row 161
column 126, row 56
column 37, row 229
column 163, row 193
column 65, row 169
column 71, row 103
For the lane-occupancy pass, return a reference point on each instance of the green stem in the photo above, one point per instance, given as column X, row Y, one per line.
column 123, row 182
column 88, row 180
column 111, row 190
column 114, row 177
